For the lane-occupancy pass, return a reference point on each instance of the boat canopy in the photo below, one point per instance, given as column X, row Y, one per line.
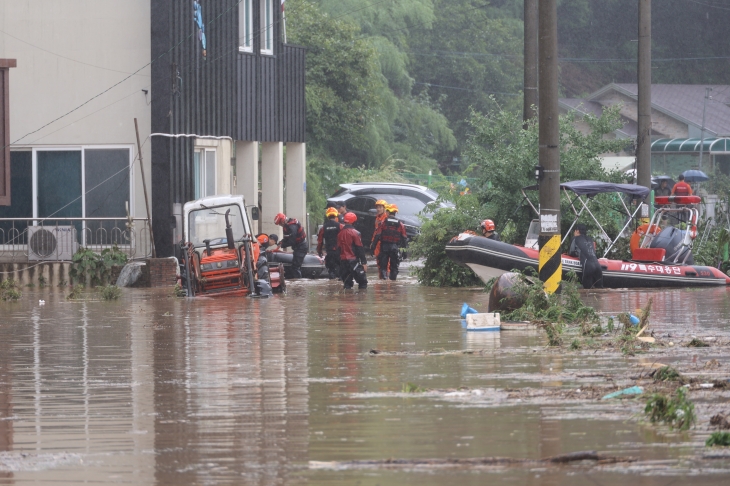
column 591, row 188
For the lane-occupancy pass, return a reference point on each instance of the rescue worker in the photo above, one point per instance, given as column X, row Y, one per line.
column 380, row 216
column 294, row 237
column 391, row 235
column 488, row 230
column 584, row 248
column 327, row 240
column 681, row 188
column 353, row 264
column 342, row 210
column 262, row 264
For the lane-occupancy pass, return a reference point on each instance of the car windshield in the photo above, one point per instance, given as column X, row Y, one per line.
column 210, row 224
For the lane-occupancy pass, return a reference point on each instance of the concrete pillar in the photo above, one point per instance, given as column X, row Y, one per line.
column 272, row 185
column 247, row 175
column 296, row 182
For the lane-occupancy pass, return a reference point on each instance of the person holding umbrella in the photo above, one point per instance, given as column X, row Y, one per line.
column 663, row 189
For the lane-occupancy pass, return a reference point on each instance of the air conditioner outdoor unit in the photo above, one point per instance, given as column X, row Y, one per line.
column 51, row 243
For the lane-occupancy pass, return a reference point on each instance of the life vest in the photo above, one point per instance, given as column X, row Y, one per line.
column 300, row 236
column 390, row 231
column 331, row 230
column 639, row 234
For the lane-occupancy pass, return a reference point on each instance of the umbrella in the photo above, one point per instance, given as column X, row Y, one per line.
column 656, row 181
column 695, row 176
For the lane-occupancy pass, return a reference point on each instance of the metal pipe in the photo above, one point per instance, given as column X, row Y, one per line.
column 643, row 136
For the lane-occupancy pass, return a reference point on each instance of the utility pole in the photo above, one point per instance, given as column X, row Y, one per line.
column 643, row 136
column 144, row 186
column 702, row 134
column 548, row 172
column 530, row 60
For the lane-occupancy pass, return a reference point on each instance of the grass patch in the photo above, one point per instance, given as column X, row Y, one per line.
column 413, row 388
column 697, row 343
column 10, row 290
column 575, row 345
column 42, row 282
column 677, row 411
column 718, row 439
column 109, row 292
column 77, row 292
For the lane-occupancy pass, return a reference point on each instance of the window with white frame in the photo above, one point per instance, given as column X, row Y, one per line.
column 245, row 25
column 72, row 182
column 204, row 173
column 267, row 26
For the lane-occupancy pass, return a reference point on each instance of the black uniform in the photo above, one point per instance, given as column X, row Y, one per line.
column 583, row 247
column 392, row 236
column 328, row 241
column 296, row 238
column 494, row 236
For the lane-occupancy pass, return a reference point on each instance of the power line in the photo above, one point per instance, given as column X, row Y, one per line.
column 467, row 89
column 64, row 57
column 709, row 5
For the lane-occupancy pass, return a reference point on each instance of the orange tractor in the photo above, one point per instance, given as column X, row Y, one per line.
column 220, row 256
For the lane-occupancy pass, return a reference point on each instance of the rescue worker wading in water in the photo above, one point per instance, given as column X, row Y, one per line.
column 380, row 216
column 296, row 238
column 327, row 240
column 584, row 248
column 391, row 235
column 353, row 264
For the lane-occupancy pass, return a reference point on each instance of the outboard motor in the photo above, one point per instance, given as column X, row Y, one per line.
column 263, row 289
column 671, row 240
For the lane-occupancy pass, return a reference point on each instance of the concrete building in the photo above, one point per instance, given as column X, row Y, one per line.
column 215, row 90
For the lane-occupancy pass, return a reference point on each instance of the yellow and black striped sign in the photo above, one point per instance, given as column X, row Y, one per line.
column 550, row 264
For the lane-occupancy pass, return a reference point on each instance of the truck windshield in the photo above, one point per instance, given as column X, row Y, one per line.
column 210, row 224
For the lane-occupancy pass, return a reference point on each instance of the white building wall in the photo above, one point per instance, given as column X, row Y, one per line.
column 68, row 52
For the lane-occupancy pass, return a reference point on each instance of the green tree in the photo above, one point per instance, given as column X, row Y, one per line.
column 343, row 81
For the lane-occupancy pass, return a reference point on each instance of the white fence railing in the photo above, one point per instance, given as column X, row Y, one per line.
column 23, row 239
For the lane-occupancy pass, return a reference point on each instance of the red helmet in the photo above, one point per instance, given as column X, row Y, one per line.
column 487, row 225
column 263, row 240
column 349, row 218
column 280, row 218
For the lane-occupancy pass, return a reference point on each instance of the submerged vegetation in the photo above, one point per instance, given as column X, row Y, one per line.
column 109, row 292
column 718, row 439
column 676, row 411
column 95, row 268
column 10, row 290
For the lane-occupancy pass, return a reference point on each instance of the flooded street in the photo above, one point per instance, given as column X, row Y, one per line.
column 152, row 389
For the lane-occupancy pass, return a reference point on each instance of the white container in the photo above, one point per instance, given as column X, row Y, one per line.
column 483, row 322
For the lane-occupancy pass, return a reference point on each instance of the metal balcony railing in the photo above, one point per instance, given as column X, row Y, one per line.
column 57, row 239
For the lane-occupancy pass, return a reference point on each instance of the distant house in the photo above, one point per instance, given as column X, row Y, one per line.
column 676, row 122
column 216, row 91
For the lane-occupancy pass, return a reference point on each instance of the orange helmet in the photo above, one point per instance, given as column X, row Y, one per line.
column 487, row 225
column 391, row 208
column 331, row 213
column 263, row 240
column 381, row 202
column 280, row 218
column 350, row 218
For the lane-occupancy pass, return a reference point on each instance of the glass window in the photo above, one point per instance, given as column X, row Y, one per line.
column 210, row 173
column 21, row 192
column 267, row 27
column 196, row 175
column 107, row 178
column 59, row 185
column 245, row 26
column 210, row 224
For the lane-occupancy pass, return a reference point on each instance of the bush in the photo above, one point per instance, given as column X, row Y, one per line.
column 438, row 270
column 10, row 290
column 718, row 439
column 109, row 292
column 95, row 267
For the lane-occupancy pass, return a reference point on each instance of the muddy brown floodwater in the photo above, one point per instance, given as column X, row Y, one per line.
column 152, row 389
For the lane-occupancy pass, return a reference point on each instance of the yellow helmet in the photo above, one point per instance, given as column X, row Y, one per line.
column 391, row 208
column 331, row 212
column 381, row 202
